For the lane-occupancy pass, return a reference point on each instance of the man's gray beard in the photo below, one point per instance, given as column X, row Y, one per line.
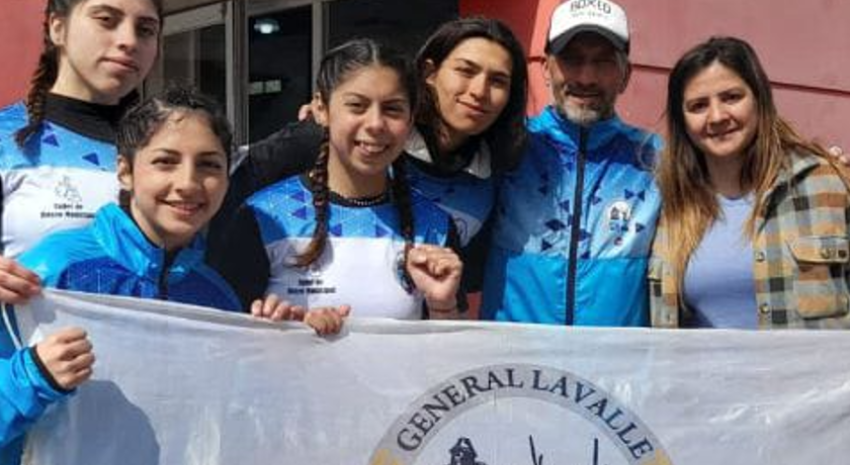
column 581, row 116
column 585, row 116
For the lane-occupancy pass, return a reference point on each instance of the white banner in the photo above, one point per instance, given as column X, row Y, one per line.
column 178, row 385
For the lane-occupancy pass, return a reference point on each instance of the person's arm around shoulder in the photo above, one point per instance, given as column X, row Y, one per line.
column 290, row 151
column 840, row 155
column 240, row 257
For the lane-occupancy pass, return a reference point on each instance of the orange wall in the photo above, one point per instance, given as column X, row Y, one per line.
column 20, row 44
column 804, row 45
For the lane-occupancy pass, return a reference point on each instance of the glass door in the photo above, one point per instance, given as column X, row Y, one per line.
column 196, row 52
column 259, row 57
column 403, row 24
column 286, row 39
column 280, row 51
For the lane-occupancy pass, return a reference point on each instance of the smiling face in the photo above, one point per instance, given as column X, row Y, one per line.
column 369, row 118
column 106, row 48
column 720, row 114
column 177, row 181
column 586, row 77
column 471, row 87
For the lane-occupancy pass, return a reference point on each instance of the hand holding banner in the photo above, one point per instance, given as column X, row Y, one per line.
column 183, row 385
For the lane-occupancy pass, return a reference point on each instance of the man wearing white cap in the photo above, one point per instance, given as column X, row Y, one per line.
column 574, row 223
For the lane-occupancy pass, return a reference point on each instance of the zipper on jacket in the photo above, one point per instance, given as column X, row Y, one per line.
column 575, row 228
column 162, row 282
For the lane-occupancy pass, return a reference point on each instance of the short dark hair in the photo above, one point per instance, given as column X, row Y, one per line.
column 142, row 121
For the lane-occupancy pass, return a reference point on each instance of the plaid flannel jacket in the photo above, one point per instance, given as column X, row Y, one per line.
column 800, row 257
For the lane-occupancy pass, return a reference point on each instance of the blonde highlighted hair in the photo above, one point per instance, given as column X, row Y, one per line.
column 689, row 202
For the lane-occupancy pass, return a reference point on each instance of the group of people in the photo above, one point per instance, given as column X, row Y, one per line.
column 415, row 176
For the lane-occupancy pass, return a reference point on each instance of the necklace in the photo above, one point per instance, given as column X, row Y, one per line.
column 360, row 201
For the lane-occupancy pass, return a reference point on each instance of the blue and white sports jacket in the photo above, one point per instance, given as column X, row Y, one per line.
column 573, row 227
column 361, row 264
column 110, row 256
column 59, row 184
column 467, row 196
column 113, row 256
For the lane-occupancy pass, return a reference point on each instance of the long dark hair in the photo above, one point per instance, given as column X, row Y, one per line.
column 506, row 136
column 48, row 69
column 336, row 67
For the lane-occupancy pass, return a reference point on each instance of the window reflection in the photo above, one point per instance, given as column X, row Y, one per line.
column 279, row 50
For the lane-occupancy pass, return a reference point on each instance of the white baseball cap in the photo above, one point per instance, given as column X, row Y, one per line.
column 601, row 16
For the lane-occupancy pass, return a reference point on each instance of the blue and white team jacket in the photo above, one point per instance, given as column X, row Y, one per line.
column 110, row 256
column 62, row 180
column 467, row 196
column 573, row 227
column 60, row 183
column 361, row 263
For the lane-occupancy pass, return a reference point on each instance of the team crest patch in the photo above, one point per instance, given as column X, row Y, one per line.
column 66, row 191
column 617, row 217
column 67, row 202
column 515, row 414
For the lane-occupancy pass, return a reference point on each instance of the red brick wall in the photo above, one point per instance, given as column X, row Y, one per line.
column 804, row 45
column 20, row 44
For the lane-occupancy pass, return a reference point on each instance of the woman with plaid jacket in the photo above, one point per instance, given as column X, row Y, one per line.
column 754, row 224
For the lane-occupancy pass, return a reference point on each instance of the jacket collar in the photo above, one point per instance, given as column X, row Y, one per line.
column 599, row 133
column 124, row 242
column 799, row 165
column 479, row 166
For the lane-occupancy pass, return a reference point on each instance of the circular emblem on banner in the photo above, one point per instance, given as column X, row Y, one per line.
column 515, row 414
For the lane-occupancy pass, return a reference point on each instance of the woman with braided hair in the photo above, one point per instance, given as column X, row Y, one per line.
column 469, row 128
column 58, row 156
column 349, row 234
column 57, row 149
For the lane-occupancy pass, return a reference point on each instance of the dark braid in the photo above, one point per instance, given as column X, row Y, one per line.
column 401, row 200
column 48, row 70
column 321, row 205
column 40, row 84
column 336, row 67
